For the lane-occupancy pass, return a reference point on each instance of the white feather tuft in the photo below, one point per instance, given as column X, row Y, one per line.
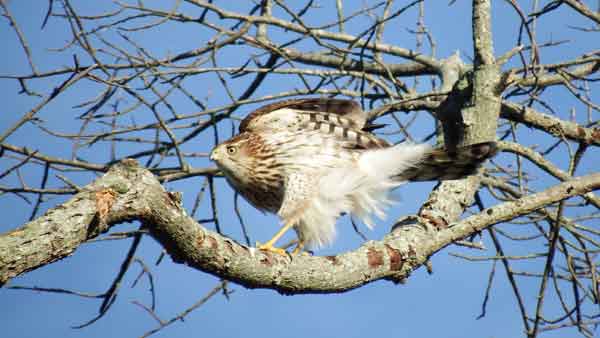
column 361, row 190
column 391, row 161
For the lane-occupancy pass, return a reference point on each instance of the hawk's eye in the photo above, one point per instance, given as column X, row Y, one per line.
column 231, row 150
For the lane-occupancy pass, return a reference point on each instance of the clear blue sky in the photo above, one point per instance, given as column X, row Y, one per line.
column 444, row 304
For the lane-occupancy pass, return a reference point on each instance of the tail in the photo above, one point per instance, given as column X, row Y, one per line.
column 363, row 190
column 439, row 164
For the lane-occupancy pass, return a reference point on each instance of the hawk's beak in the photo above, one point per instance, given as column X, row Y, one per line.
column 213, row 156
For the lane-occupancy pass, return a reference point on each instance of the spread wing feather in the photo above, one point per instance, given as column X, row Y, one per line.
column 267, row 117
column 345, row 122
column 344, row 119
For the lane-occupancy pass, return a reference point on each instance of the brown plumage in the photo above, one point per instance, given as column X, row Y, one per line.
column 310, row 160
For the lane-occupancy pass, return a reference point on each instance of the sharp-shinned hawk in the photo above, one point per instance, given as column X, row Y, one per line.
column 312, row 160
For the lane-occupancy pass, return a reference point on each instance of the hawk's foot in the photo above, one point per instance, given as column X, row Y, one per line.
column 270, row 248
column 299, row 249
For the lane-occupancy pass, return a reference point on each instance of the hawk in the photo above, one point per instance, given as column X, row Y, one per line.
column 311, row 160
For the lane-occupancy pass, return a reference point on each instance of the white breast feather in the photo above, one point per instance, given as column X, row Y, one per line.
column 361, row 189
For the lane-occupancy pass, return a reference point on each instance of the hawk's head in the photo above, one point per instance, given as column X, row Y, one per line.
column 239, row 157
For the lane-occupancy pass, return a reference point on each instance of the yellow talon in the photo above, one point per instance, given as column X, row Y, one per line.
column 269, row 245
column 299, row 249
column 270, row 248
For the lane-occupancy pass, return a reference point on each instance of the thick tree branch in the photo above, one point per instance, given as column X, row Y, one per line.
column 128, row 192
column 482, row 33
column 477, row 122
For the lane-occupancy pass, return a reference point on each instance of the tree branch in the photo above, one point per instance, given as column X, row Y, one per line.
column 128, row 192
column 550, row 124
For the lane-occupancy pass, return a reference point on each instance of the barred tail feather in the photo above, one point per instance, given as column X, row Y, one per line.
column 440, row 164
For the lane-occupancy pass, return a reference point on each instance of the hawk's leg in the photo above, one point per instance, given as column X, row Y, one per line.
column 269, row 245
column 299, row 248
column 297, row 191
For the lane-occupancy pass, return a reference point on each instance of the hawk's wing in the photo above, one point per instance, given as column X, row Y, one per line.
column 273, row 116
column 342, row 119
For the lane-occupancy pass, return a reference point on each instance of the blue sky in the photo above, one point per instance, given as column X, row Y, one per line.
column 444, row 304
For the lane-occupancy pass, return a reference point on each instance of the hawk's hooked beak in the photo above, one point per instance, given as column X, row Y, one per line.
column 215, row 154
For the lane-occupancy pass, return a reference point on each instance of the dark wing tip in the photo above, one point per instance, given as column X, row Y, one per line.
column 484, row 150
column 370, row 127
